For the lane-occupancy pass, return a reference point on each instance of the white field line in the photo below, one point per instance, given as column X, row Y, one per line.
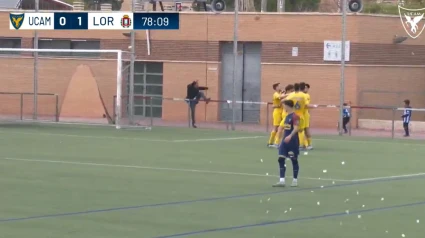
column 134, row 138
column 197, row 140
column 370, row 142
column 389, row 177
column 83, row 136
column 159, row 168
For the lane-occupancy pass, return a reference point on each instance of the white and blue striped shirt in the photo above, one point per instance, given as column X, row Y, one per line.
column 407, row 114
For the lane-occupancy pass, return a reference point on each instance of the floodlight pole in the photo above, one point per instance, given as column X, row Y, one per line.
column 235, row 62
column 35, row 76
column 342, row 81
column 131, row 78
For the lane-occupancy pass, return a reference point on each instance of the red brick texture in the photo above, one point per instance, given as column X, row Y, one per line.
column 378, row 73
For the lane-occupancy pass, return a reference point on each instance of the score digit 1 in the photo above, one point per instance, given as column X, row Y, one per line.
column 71, row 21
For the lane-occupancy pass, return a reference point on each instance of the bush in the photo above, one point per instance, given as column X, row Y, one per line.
column 390, row 9
column 295, row 5
column 290, row 5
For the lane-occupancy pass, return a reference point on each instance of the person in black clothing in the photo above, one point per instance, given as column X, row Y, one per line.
column 194, row 94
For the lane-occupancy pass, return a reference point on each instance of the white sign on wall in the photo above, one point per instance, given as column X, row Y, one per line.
column 332, row 51
column 294, row 51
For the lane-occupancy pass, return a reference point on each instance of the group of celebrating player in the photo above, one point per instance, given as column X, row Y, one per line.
column 291, row 122
column 298, row 93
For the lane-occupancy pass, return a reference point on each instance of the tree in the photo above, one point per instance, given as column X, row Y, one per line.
column 95, row 4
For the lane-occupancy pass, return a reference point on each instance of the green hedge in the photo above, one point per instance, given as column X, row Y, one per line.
column 387, row 9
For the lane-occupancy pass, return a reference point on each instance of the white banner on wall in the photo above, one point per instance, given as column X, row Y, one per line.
column 332, row 50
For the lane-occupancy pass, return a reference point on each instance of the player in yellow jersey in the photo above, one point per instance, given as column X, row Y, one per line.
column 298, row 97
column 288, row 90
column 277, row 113
column 307, row 135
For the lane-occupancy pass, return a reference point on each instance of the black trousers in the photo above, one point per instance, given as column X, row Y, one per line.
column 406, row 128
column 192, row 105
column 345, row 121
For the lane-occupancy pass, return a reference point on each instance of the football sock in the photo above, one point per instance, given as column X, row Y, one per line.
column 295, row 166
column 301, row 137
column 272, row 137
column 309, row 141
column 282, row 167
column 277, row 138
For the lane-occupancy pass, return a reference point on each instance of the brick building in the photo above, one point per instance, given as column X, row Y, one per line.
column 379, row 73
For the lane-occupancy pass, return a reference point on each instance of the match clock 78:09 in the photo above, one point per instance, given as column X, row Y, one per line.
column 156, row 21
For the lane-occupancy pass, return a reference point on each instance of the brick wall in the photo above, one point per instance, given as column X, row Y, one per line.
column 192, row 53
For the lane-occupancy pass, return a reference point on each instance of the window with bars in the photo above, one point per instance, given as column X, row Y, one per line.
column 148, row 78
column 69, row 44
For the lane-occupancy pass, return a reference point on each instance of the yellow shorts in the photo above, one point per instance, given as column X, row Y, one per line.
column 307, row 120
column 277, row 117
column 283, row 119
column 301, row 127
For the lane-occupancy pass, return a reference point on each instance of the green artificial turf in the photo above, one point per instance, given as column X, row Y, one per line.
column 89, row 182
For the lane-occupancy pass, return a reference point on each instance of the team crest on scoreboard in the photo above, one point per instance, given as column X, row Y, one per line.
column 126, row 21
column 412, row 21
column 16, row 20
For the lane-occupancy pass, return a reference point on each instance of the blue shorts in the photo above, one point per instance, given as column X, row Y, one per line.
column 288, row 150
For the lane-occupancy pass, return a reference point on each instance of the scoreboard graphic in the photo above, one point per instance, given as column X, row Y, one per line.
column 94, row 21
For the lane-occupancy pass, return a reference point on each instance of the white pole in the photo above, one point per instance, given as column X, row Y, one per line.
column 263, row 5
column 58, row 50
column 235, row 62
column 119, row 90
column 148, row 40
column 35, row 76
column 342, row 81
column 281, row 5
column 131, row 81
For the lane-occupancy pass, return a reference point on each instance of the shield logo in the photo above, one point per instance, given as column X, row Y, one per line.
column 126, row 21
column 412, row 20
column 16, row 20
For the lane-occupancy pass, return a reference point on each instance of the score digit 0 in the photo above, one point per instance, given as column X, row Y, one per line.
column 62, row 21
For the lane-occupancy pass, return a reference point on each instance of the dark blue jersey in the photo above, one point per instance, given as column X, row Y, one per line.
column 291, row 120
column 290, row 148
column 407, row 114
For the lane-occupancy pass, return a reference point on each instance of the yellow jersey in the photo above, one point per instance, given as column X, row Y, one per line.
column 276, row 101
column 307, row 101
column 299, row 100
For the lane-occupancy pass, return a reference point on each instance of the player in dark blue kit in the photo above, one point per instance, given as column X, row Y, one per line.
column 289, row 147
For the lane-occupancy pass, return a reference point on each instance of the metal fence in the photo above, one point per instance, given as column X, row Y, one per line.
column 381, row 122
column 19, row 106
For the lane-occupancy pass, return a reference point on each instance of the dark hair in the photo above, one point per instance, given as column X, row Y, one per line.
column 307, row 85
column 407, row 101
column 344, row 104
column 302, row 86
column 289, row 87
column 275, row 86
column 297, row 87
column 289, row 103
